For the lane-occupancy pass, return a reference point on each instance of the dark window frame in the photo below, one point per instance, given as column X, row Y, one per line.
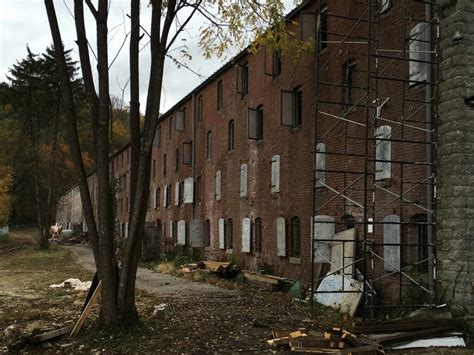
column 348, row 72
column 295, row 237
column 245, row 79
column 220, row 94
column 231, row 136
column 229, row 234
column 258, row 235
column 276, row 63
column 323, row 30
column 209, row 145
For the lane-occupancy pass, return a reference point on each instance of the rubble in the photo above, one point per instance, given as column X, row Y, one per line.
column 74, row 284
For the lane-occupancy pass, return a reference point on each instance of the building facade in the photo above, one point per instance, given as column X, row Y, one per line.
column 273, row 155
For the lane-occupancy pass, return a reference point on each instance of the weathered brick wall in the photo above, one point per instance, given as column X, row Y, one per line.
column 455, row 236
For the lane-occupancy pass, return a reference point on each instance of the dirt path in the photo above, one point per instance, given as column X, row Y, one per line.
column 153, row 282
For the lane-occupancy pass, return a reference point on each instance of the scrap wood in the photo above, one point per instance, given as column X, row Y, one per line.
column 216, row 266
column 367, row 349
column 409, row 336
column 283, row 337
column 403, row 325
column 48, row 335
column 268, row 279
column 87, row 310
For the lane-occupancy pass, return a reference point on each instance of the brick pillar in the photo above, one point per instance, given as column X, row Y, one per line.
column 455, row 155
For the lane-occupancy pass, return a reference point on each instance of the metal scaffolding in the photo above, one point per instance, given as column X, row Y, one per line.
column 375, row 136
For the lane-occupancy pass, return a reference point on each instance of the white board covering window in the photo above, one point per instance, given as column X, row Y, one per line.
column 275, row 174
column 281, row 236
column 320, row 164
column 419, row 53
column 181, row 233
column 179, row 121
column 195, row 233
column 155, row 199
column 218, row 185
column 383, row 152
column 165, row 196
column 176, row 194
column 246, row 235
column 391, row 235
column 171, row 230
column 243, row 180
column 323, row 231
column 126, row 230
column 188, row 190
column 221, row 233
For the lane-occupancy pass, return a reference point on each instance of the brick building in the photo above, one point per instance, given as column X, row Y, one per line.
column 245, row 163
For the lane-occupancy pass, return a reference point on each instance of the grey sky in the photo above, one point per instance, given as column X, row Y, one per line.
column 24, row 22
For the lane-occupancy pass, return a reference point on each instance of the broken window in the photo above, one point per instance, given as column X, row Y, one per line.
column 243, row 180
column 156, row 139
column 275, row 181
column 255, row 123
column 348, row 84
column 180, row 120
column 320, row 164
column 276, row 63
column 231, row 136
column 291, row 107
column 383, row 152
column 229, row 234
column 220, row 93
column 323, row 27
column 188, row 153
column 419, row 48
column 258, row 233
column 199, row 110
column 209, row 146
column 295, row 237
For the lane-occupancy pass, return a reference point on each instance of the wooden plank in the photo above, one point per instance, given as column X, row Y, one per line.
column 39, row 338
column 366, row 349
column 215, row 265
column 405, row 326
column 421, row 334
column 87, row 311
column 309, row 342
column 262, row 278
column 316, row 350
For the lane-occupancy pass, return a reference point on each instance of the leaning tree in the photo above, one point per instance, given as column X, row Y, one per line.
column 223, row 24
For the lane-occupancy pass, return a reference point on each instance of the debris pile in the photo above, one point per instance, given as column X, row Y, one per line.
column 74, row 284
column 16, row 340
column 223, row 269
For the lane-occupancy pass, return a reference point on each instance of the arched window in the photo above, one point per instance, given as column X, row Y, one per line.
column 295, row 237
column 258, row 235
column 348, row 222
column 209, row 145
column 231, row 136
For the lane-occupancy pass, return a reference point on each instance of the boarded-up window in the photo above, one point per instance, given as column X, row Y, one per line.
column 172, row 235
column 243, row 180
column 308, row 26
column 195, row 233
column 320, row 164
column 165, row 196
column 281, row 236
column 419, row 53
column 218, row 185
column 176, row 193
column 275, row 183
column 180, row 120
column 391, row 235
column 221, row 233
column 323, row 230
column 181, row 233
column 383, row 152
column 188, row 153
column 188, row 190
column 291, row 107
column 246, row 225
column 157, row 139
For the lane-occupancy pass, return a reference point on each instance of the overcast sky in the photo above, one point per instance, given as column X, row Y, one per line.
column 24, row 22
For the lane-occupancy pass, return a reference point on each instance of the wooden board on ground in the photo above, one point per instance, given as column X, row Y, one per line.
column 87, row 310
column 216, row 265
column 39, row 338
column 267, row 279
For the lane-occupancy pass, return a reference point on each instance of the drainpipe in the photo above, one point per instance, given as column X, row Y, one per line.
column 429, row 153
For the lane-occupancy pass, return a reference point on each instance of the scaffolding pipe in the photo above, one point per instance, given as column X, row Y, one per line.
column 429, row 152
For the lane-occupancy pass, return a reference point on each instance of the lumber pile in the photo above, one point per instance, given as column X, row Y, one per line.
column 269, row 281
column 333, row 341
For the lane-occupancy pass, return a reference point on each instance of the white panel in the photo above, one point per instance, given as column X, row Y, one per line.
column 246, row 235
column 181, row 233
column 419, row 48
column 126, row 230
column 165, row 195
column 188, row 190
column 154, row 199
column 391, row 235
column 281, row 236
column 221, row 233
column 176, row 194
column 171, row 230
column 195, row 233
column 324, row 228
column 243, row 180
column 383, row 151
column 320, row 164
column 218, row 185
column 275, row 174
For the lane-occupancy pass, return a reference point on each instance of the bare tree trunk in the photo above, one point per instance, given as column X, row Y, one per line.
column 51, row 182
